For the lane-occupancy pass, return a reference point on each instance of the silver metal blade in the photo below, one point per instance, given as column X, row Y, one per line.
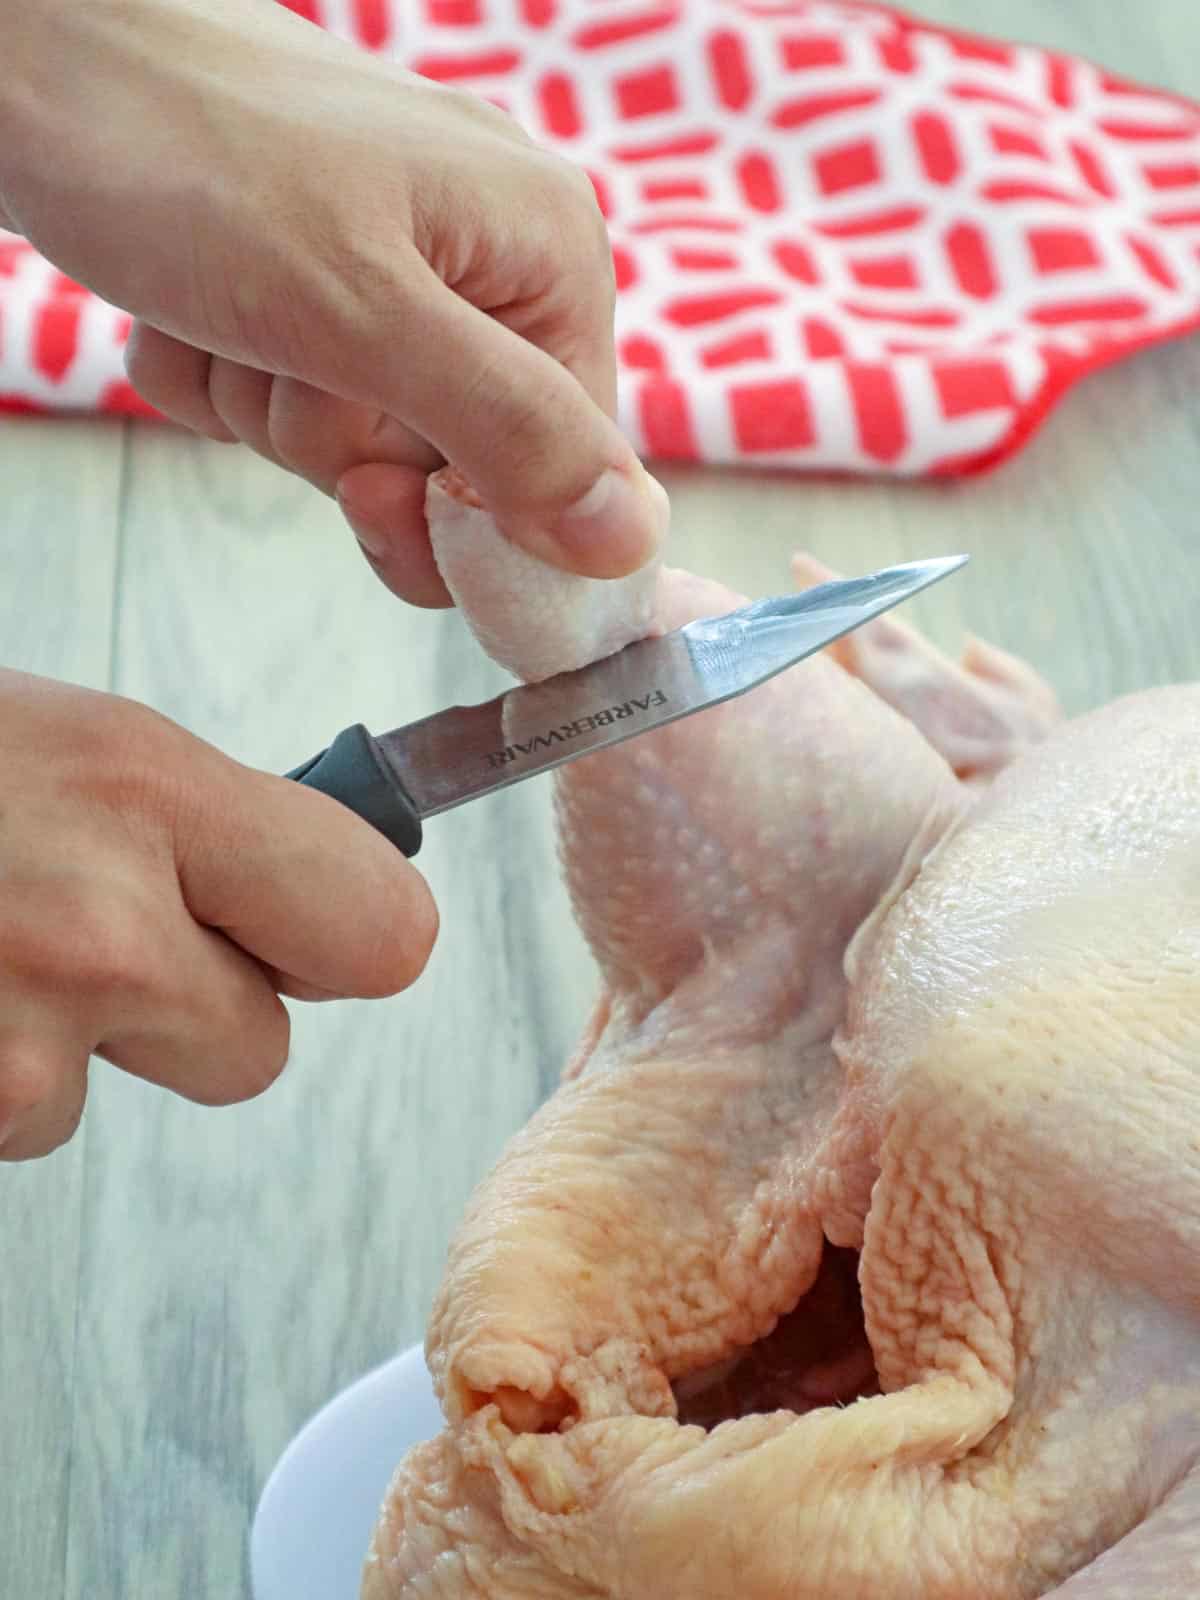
column 467, row 751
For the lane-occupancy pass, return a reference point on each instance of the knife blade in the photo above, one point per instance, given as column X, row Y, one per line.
column 395, row 780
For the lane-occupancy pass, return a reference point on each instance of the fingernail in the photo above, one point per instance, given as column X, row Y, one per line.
column 371, row 545
column 616, row 526
column 372, row 542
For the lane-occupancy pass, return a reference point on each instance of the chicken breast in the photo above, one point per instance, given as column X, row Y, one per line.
column 858, row 1255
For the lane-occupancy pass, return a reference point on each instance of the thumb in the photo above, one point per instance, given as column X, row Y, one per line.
column 553, row 469
column 305, row 886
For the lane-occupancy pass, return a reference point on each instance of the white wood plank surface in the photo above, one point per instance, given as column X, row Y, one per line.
column 59, row 518
column 183, row 1287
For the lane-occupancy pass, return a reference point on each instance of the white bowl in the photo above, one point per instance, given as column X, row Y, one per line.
column 314, row 1521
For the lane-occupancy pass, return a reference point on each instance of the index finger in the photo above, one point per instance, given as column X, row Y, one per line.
column 301, row 883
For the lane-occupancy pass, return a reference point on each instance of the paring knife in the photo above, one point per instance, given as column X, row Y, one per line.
column 396, row 780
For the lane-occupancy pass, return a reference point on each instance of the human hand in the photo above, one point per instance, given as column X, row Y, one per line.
column 356, row 272
column 159, row 898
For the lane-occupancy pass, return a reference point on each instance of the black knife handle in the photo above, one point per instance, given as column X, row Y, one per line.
column 355, row 771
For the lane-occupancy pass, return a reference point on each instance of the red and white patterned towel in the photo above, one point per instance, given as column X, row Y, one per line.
column 844, row 239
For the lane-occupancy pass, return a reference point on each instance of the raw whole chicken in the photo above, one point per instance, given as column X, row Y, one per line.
column 858, row 1255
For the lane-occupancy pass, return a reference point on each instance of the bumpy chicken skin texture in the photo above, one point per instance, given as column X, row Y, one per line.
column 901, row 984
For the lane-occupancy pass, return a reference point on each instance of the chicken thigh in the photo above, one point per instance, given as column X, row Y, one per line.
column 858, row 1255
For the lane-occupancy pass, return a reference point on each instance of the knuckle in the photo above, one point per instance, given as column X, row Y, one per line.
column 584, row 277
column 541, row 444
column 527, row 439
column 130, row 762
column 316, row 435
column 173, row 377
column 263, row 1058
column 28, row 1078
column 54, row 1138
column 576, row 182
column 81, row 939
column 482, row 113
column 41, row 1103
column 297, row 428
column 597, row 268
column 108, row 944
column 105, row 726
column 60, row 1130
column 583, row 217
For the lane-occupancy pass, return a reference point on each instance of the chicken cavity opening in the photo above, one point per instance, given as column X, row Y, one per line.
column 524, row 1412
column 817, row 1355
